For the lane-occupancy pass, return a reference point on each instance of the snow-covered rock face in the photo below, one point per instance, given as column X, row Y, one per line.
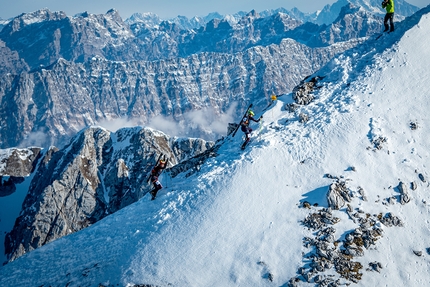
column 96, row 68
column 100, row 90
column 3, row 23
column 239, row 220
column 18, row 162
column 42, row 37
column 15, row 164
column 95, row 175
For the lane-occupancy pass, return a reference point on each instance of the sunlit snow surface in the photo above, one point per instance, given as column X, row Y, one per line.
column 213, row 228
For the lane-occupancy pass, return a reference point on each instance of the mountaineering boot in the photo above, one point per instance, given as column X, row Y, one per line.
column 386, row 27
column 153, row 194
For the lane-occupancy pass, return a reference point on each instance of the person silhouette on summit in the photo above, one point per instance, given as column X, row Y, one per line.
column 389, row 7
column 155, row 173
column 245, row 124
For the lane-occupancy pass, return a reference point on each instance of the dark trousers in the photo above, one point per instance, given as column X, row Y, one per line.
column 247, row 130
column 389, row 17
column 157, row 187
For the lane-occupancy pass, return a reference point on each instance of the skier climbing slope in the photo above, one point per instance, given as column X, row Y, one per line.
column 245, row 122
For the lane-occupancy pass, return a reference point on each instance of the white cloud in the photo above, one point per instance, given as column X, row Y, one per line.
column 38, row 138
column 167, row 125
column 206, row 123
column 116, row 124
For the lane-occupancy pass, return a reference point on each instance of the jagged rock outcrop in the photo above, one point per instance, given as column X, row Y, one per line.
column 15, row 164
column 337, row 195
column 18, row 161
column 303, row 92
column 96, row 174
column 54, row 35
column 328, row 253
column 67, row 96
column 10, row 62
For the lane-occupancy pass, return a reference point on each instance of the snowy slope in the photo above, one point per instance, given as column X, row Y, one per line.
column 238, row 219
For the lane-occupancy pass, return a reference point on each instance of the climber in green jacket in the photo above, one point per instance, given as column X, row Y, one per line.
column 389, row 6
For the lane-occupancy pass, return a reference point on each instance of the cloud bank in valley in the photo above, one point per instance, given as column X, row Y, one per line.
column 206, row 123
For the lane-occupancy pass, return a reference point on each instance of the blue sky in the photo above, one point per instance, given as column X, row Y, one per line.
column 164, row 8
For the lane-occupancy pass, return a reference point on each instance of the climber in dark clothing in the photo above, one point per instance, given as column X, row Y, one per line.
column 389, row 7
column 155, row 173
column 245, row 124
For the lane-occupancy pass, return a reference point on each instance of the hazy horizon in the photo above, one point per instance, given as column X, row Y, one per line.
column 164, row 9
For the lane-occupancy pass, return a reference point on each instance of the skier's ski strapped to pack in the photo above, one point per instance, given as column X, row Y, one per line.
column 155, row 173
column 245, row 125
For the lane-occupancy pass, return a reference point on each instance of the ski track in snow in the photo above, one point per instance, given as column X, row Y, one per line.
column 237, row 219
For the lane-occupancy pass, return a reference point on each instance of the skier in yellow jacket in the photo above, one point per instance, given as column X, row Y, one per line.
column 389, row 7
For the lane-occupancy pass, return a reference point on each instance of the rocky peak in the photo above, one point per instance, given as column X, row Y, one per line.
column 96, row 174
column 150, row 19
column 26, row 19
column 17, row 161
column 249, row 18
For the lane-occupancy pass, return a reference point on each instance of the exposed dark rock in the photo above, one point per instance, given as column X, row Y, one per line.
column 291, row 107
column 293, row 282
column 231, row 128
column 19, row 162
column 303, row 118
column 375, row 266
column 418, row 253
column 320, row 219
column 302, row 93
column 306, row 205
column 326, row 252
column 330, row 176
column 378, row 142
column 390, row 220
column 413, row 125
column 154, row 87
column 361, row 192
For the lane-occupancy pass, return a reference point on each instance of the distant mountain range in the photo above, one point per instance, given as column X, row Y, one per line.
column 59, row 74
column 325, row 16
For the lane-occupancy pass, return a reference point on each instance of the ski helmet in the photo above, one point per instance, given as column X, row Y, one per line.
column 162, row 161
column 251, row 113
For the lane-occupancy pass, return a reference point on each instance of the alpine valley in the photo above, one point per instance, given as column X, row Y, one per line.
column 332, row 189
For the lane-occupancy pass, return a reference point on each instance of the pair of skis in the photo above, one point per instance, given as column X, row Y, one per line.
column 156, row 163
column 241, row 120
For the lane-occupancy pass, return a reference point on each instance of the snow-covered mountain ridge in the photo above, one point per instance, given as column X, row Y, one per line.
column 51, row 193
column 96, row 69
column 240, row 220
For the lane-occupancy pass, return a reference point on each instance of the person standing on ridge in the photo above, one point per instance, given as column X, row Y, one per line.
column 155, row 173
column 389, row 7
column 245, row 124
